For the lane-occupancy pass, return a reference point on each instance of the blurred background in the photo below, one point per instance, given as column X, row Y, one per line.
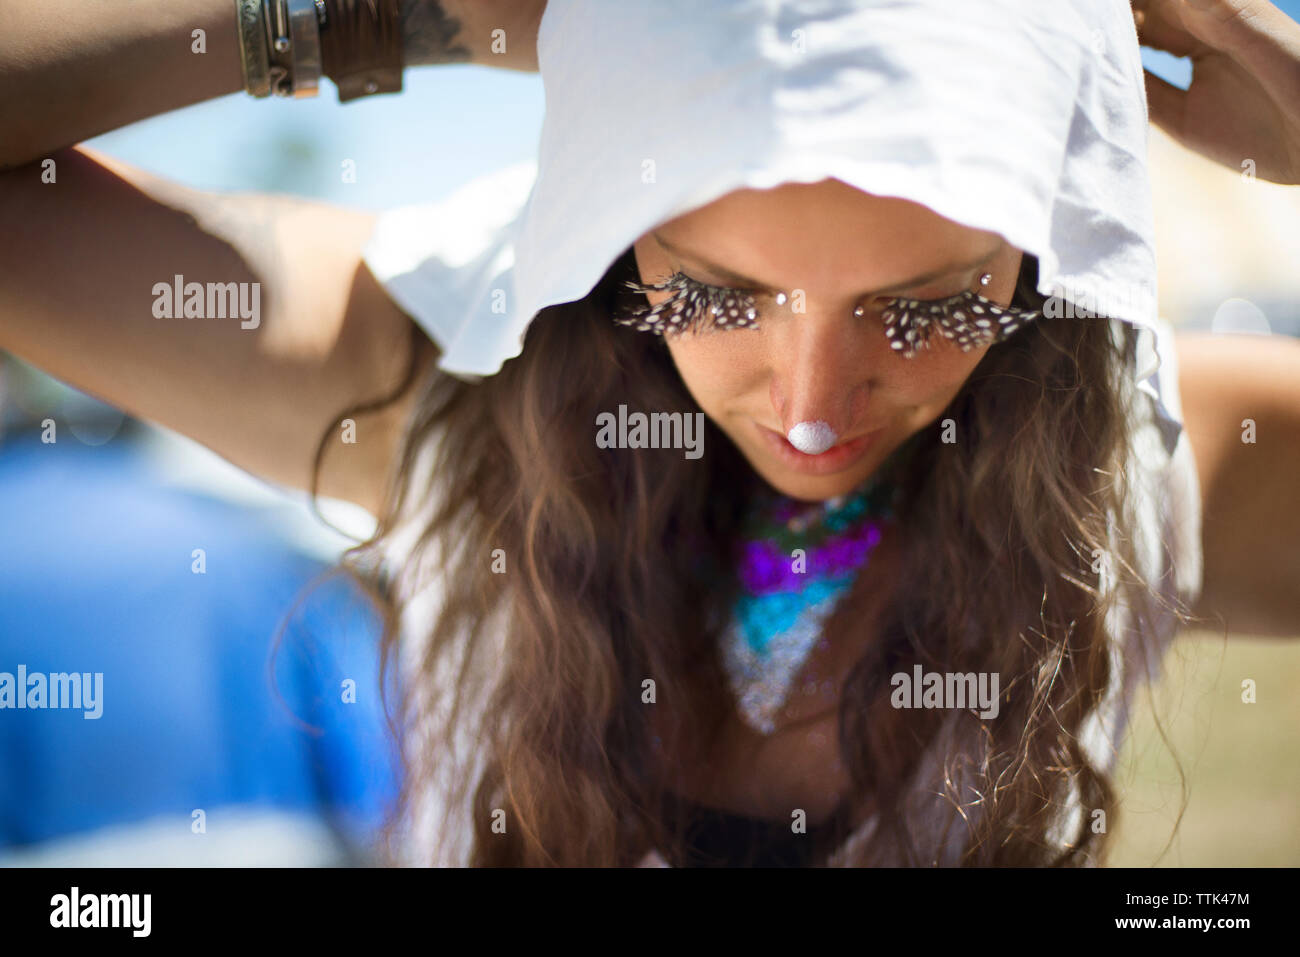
column 243, row 720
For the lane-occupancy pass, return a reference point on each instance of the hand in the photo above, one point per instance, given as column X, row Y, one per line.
column 1244, row 99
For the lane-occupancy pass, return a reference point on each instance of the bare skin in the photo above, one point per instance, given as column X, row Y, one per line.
column 70, row 70
column 1250, row 503
column 80, row 259
column 841, row 247
column 1244, row 100
column 80, row 254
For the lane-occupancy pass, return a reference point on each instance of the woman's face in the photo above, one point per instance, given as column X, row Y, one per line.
column 842, row 248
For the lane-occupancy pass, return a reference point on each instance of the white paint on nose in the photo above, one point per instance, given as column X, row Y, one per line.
column 812, row 438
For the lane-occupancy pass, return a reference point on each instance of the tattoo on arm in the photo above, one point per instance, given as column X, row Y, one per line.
column 429, row 35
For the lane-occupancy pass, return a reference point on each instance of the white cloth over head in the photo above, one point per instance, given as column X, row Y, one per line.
column 1020, row 117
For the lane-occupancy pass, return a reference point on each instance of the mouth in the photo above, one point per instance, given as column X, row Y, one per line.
column 837, row 458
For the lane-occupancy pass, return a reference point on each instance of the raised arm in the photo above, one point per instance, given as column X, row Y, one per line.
column 85, row 264
column 72, row 69
column 91, row 254
column 1241, row 405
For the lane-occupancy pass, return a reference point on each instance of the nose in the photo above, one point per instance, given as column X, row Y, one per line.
column 820, row 383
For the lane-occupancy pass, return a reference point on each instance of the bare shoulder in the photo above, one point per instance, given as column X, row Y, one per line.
column 1227, row 383
column 322, row 339
column 1241, row 411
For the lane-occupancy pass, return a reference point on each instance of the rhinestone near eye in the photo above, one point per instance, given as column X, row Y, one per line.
column 780, row 299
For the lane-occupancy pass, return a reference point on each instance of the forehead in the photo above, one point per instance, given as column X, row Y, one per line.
column 823, row 234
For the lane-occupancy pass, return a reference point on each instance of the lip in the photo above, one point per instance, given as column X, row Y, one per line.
column 835, row 459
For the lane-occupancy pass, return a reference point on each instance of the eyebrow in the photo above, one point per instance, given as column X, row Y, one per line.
column 731, row 276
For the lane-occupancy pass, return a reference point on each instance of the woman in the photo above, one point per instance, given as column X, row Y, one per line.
column 611, row 642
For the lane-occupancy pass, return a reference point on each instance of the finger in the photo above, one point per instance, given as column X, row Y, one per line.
column 1238, row 27
column 1166, row 104
column 1161, row 27
column 1262, row 39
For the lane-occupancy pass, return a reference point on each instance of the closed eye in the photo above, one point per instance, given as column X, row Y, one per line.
column 692, row 306
column 696, row 306
column 966, row 318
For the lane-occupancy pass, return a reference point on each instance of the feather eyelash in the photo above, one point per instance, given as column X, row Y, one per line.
column 967, row 318
column 693, row 306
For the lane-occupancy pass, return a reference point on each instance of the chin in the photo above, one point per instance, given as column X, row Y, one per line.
column 817, row 490
column 812, row 488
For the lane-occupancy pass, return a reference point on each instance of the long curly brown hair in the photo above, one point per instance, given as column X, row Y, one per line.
column 532, row 583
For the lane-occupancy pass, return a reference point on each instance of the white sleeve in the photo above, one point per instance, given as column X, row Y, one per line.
column 441, row 261
column 1157, row 363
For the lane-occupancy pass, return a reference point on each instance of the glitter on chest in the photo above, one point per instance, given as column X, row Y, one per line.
column 796, row 562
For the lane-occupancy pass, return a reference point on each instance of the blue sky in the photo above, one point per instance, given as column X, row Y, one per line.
column 448, row 126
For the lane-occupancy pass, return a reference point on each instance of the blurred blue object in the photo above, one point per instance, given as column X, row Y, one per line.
column 96, row 558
